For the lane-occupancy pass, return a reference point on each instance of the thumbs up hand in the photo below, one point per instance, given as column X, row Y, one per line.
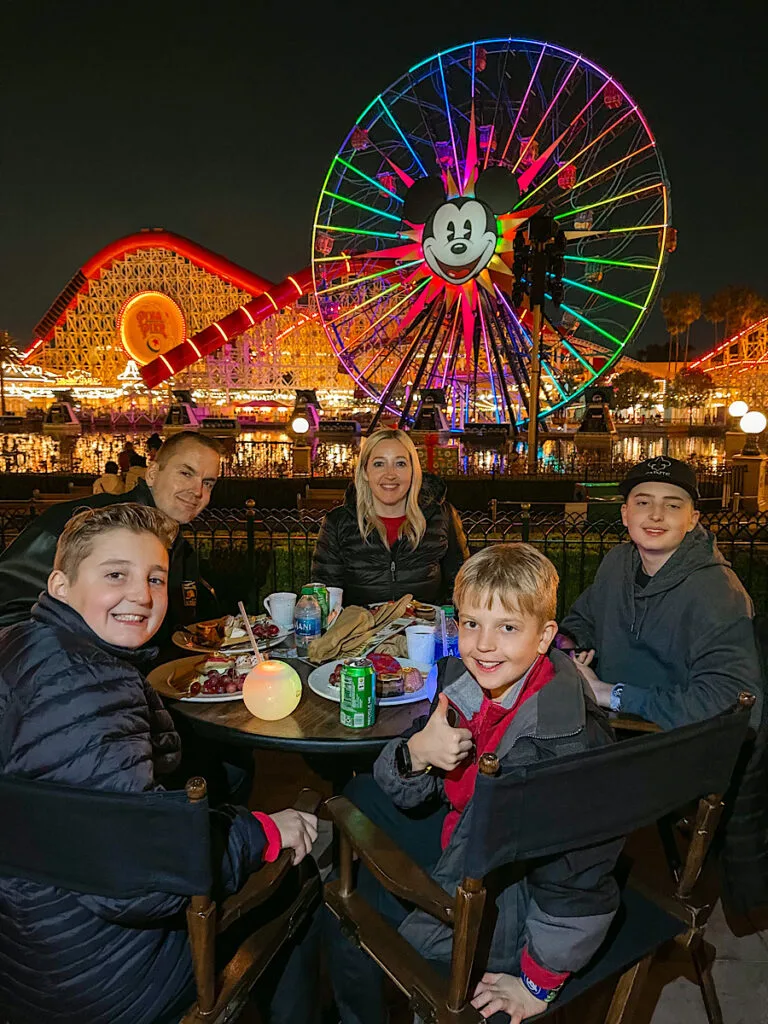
column 438, row 743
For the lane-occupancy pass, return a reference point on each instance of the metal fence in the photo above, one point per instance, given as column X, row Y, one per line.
column 246, row 553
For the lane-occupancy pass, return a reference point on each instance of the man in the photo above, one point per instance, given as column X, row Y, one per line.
column 666, row 619
column 179, row 482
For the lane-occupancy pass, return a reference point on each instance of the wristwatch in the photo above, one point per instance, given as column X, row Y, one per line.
column 404, row 763
column 615, row 699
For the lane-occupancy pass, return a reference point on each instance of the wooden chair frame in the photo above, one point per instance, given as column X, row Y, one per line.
column 440, row 1000
column 221, row 997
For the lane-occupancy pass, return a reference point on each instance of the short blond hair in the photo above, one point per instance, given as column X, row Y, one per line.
column 76, row 541
column 517, row 574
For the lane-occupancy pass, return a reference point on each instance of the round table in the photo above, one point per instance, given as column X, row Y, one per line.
column 313, row 728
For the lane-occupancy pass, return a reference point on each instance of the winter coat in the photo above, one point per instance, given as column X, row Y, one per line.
column 26, row 563
column 77, row 711
column 562, row 908
column 683, row 645
column 368, row 571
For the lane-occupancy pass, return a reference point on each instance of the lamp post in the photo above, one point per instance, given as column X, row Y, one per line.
column 752, row 423
column 751, row 464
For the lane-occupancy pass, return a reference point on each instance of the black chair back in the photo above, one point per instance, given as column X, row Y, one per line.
column 120, row 845
column 592, row 797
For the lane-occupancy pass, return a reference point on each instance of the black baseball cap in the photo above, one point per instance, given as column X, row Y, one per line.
column 662, row 470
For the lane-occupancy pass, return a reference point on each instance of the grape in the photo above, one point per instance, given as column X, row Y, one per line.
column 194, row 689
column 231, row 687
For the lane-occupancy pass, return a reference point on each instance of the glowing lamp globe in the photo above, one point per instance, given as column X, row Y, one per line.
column 272, row 690
column 300, row 424
column 738, row 408
column 752, row 422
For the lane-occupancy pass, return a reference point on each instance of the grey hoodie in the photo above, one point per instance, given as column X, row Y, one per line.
column 683, row 645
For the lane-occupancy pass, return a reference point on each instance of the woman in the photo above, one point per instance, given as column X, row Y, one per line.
column 395, row 533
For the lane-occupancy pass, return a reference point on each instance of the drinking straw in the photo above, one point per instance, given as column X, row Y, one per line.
column 443, row 633
column 249, row 631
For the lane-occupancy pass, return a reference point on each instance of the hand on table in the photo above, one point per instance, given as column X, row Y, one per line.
column 601, row 690
column 505, row 993
column 298, row 831
column 438, row 743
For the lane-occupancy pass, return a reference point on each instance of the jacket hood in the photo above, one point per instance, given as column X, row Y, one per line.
column 433, row 492
column 52, row 612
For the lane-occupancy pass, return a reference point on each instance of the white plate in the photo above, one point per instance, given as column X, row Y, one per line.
column 319, row 684
column 172, row 679
column 187, row 642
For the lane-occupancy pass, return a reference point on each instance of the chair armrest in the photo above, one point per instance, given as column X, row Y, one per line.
column 633, row 723
column 387, row 862
column 262, row 883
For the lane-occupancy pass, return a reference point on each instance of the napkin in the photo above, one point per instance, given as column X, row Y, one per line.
column 345, row 637
column 387, row 613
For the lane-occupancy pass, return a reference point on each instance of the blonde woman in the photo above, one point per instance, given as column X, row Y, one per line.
column 395, row 533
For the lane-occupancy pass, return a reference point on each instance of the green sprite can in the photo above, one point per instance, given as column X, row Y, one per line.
column 320, row 593
column 358, row 694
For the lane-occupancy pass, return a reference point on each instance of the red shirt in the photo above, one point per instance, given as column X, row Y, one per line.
column 487, row 727
column 392, row 525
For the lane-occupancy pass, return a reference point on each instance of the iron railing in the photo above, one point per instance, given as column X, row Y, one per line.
column 250, row 552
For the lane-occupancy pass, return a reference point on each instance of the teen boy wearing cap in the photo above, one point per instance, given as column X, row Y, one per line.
column 667, row 621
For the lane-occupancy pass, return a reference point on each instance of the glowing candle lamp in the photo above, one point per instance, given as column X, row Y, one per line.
column 272, row 690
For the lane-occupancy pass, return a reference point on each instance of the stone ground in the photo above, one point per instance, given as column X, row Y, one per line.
column 670, row 996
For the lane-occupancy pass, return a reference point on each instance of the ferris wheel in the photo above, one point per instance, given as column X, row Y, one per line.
column 424, row 221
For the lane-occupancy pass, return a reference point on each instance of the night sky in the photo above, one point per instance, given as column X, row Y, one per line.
column 217, row 120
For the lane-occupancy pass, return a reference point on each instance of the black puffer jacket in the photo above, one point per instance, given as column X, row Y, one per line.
column 77, row 711
column 369, row 572
column 26, row 563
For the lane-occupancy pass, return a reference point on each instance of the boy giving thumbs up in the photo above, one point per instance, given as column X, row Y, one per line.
column 507, row 694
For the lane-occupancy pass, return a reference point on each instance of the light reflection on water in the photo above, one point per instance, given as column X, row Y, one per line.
column 268, row 453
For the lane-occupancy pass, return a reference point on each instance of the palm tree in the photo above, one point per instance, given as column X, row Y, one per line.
column 716, row 309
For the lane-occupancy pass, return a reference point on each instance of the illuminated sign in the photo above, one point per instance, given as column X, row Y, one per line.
column 149, row 324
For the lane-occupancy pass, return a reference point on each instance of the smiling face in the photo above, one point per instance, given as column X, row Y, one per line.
column 182, row 486
column 389, row 474
column 459, row 240
column 658, row 516
column 499, row 646
column 120, row 589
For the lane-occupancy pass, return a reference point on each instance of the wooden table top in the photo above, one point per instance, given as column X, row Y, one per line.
column 313, row 728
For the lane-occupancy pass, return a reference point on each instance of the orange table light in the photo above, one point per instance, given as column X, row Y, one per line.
column 272, row 690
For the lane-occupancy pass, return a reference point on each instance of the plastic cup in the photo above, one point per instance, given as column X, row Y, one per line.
column 421, row 645
column 335, row 597
column 280, row 608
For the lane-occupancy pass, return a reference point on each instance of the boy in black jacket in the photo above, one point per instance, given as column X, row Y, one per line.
column 75, row 709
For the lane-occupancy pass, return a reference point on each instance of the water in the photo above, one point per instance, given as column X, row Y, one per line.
column 307, row 621
column 451, row 637
column 269, row 454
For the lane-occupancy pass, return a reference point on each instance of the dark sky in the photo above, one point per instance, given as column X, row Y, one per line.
column 217, row 119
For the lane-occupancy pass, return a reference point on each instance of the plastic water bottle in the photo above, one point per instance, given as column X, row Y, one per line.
column 307, row 621
column 451, row 647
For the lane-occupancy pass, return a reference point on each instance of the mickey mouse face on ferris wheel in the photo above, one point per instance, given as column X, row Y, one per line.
column 460, row 234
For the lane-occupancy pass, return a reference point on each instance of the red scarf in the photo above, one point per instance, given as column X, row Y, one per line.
column 392, row 525
column 487, row 728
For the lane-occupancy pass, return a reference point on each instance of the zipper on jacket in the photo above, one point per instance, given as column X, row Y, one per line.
column 392, row 568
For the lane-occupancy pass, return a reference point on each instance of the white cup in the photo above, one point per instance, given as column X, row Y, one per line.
column 421, row 645
column 335, row 595
column 280, row 608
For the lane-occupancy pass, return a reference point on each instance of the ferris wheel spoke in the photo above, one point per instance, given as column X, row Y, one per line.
column 608, row 130
column 456, row 171
column 622, row 264
column 405, row 141
column 356, row 310
column 396, row 377
column 341, row 229
column 611, row 201
column 376, row 184
column 523, row 102
column 363, row 206
column 545, row 115
column 350, row 283
column 505, row 325
column 605, row 295
column 422, row 365
column 499, row 360
column 595, row 327
column 388, row 314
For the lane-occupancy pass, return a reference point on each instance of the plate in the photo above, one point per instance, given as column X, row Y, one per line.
column 319, row 684
column 172, row 679
column 187, row 642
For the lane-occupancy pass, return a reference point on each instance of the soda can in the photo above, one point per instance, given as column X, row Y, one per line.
column 320, row 593
column 358, row 694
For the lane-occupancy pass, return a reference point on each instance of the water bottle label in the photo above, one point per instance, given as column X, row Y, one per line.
column 307, row 628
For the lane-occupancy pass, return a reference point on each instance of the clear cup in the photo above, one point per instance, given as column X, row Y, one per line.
column 280, row 608
column 421, row 645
